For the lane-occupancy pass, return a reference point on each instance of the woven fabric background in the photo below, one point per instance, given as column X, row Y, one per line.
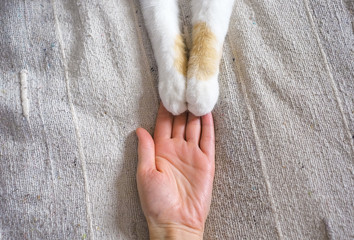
column 284, row 120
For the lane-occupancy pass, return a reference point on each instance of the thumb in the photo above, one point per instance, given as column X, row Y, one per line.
column 146, row 150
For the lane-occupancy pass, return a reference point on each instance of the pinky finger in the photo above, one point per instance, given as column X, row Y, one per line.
column 207, row 140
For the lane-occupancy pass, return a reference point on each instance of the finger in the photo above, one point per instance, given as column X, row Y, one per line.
column 163, row 128
column 193, row 129
column 179, row 126
column 207, row 140
column 146, row 151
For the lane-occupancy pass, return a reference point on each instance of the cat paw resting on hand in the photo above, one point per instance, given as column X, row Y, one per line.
column 188, row 83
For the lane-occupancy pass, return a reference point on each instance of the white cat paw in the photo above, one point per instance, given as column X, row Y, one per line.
column 202, row 95
column 172, row 89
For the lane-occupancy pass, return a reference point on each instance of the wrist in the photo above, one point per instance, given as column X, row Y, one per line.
column 174, row 232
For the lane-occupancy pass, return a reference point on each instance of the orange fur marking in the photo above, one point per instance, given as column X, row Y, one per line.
column 180, row 62
column 204, row 57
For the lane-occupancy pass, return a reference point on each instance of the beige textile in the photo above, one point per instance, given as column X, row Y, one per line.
column 284, row 120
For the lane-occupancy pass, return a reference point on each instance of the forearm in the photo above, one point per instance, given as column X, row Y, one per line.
column 174, row 232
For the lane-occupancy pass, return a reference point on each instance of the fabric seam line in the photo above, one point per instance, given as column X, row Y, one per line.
column 75, row 121
column 258, row 144
column 329, row 72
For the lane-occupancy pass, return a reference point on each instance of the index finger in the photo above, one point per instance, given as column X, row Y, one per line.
column 163, row 128
column 207, row 140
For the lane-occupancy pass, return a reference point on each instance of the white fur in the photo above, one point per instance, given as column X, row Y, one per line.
column 215, row 13
column 161, row 20
column 202, row 95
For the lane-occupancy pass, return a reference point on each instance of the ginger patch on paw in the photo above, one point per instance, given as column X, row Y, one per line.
column 180, row 62
column 204, row 57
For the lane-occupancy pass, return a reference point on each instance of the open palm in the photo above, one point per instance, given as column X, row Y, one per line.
column 176, row 169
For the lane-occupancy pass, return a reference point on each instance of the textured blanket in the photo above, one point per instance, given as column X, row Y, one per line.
column 78, row 77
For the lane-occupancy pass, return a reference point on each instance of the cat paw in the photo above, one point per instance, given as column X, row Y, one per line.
column 203, row 70
column 173, row 93
column 202, row 95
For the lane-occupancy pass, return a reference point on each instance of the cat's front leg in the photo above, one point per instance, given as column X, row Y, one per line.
column 210, row 23
column 161, row 20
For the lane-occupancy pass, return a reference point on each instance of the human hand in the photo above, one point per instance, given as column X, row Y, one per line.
column 175, row 174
